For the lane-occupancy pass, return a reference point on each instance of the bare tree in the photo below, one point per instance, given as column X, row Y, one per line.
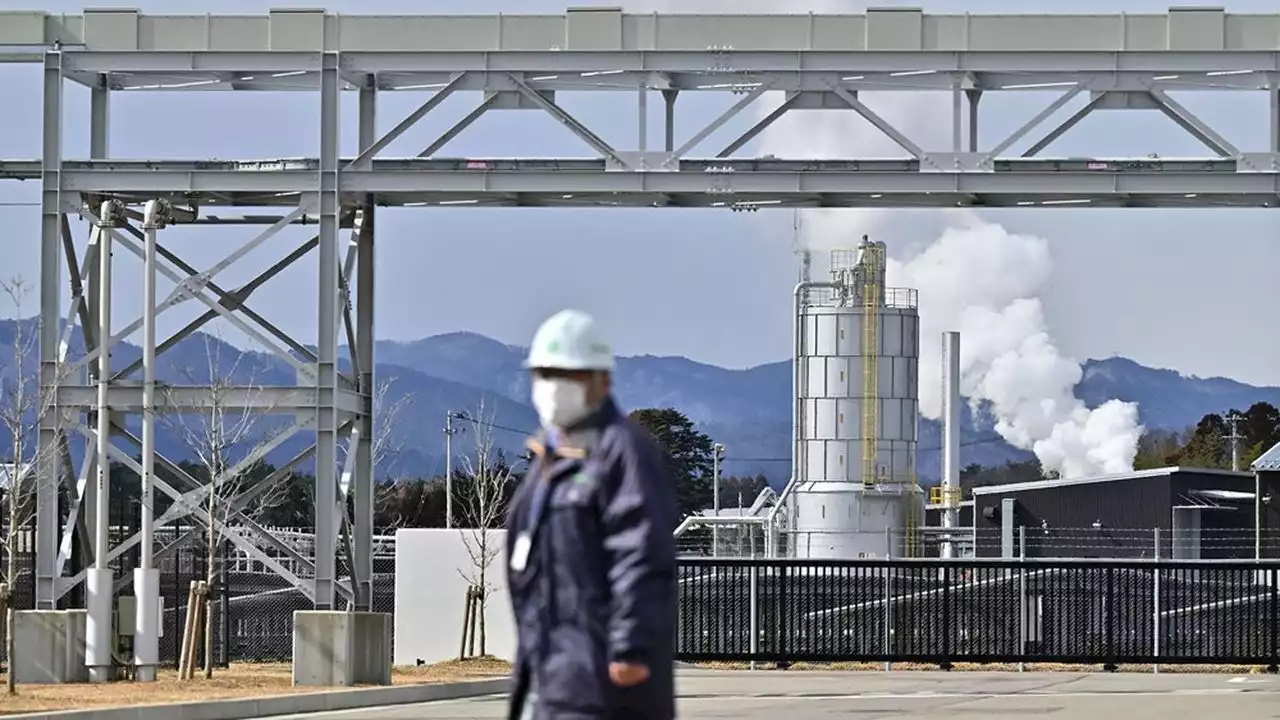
column 483, row 504
column 228, row 437
column 22, row 404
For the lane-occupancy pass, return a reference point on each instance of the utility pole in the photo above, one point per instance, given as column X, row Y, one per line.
column 717, row 452
column 1234, row 438
column 449, row 432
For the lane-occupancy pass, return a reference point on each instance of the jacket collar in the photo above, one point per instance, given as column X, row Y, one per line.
column 578, row 440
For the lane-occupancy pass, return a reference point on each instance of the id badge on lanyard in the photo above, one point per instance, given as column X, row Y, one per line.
column 523, row 547
column 520, row 553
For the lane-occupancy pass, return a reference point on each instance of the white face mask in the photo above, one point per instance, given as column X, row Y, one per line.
column 559, row 402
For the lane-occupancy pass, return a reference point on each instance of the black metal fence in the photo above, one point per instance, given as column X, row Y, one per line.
column 981, row 611
column 1097, row 612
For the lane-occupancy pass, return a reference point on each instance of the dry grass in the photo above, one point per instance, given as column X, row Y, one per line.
column 241, row 680
column 992, row 667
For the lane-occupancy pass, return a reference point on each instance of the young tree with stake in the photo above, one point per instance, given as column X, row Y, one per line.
column 22, row 404
column 484, row 501
column 228, row 442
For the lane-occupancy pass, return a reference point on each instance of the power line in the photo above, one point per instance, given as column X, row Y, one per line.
column 488, row 424
column 983, row 440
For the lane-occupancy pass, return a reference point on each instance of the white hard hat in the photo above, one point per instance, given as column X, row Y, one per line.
column 569, row 340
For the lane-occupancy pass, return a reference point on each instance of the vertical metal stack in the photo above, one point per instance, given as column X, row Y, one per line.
column 858, row 394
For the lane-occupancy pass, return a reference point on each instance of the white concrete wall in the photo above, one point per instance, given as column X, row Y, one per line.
column 431, row 595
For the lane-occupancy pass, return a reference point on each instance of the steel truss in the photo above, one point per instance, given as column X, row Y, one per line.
column 522, row 63
column 89, row 397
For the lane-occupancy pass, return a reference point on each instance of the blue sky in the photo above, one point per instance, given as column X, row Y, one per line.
column 1192, row 290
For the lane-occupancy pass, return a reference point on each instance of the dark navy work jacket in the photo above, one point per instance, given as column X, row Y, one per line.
column 600, row 582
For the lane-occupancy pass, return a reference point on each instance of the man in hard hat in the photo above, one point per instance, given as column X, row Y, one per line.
column 590, row 555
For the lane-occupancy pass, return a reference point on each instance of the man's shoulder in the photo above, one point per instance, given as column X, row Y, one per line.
column 625, row 435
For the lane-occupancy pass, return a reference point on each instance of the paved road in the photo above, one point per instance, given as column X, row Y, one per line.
column 926, row 696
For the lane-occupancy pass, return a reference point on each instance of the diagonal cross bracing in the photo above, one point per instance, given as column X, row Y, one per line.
column 760, row 126
column 880, row 123
column 118, row 455
column 188, row 503
column 410, row 120
column 77, row 275
column 719, row 122
column 193, row 287
column 1035, row 122
column 233, row 300
column 1196, row 127
column 568, row 120
column 448, row 135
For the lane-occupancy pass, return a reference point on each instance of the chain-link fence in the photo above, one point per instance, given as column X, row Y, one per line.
column 252, row 610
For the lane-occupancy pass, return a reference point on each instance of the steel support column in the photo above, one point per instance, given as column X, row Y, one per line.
column 99, row 592
column 366, row 422
column 146, row 577
column 1273, row 92
column 669, row 108
column 47, row 459
column 975, row 97
column 326, row 203
column 99, row 149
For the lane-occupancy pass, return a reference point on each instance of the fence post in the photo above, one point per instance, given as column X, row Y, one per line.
column 1108, row 602
column 888, row 617
column 1022, row 598
column 1155, row 596
column 1275, row 617
column 753, row 608
column 947, row 635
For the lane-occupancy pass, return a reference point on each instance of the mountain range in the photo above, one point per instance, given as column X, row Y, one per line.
column 747, row 410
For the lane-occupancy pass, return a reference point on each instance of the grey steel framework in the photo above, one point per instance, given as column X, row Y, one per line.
column 520, row 62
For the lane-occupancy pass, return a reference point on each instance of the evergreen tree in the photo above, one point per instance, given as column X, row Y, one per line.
column 688, row 452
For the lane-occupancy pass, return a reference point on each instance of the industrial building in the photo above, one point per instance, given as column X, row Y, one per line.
column 1187, row 513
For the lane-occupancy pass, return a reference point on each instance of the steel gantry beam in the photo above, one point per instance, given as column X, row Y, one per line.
column 519, row 62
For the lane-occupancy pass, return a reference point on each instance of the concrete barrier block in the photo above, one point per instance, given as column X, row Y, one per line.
column 341, row 648
column 49, row 646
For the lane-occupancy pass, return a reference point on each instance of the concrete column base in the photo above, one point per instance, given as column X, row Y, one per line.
column 49, row 646
column 334, row 648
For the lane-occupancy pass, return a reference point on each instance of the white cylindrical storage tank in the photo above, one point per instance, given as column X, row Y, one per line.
column 836, row 514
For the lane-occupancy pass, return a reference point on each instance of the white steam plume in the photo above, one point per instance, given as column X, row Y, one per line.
column 977, row 278
column 982, row 280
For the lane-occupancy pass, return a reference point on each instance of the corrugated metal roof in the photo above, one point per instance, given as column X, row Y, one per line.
column 1269, row 461
column 1137, row 474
